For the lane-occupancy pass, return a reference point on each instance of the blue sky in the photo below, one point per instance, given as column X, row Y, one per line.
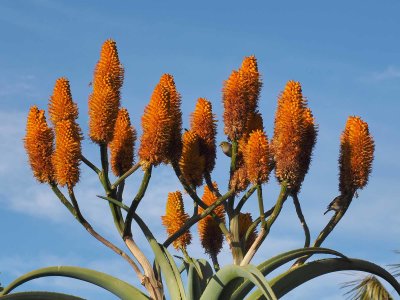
column 345, row 54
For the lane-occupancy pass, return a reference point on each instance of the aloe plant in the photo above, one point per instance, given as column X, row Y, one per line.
column 55, row 154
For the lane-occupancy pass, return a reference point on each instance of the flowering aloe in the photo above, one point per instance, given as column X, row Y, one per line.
column 192, row 155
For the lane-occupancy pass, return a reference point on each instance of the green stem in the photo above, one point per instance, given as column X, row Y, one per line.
column 115, row 210
column 256, row 222
column 267, row 225
column 127, row 232
column 328, row 229
column 90, row 164
column 125, row 175
column 302, row 220
column 261, row 205
column 245, row 198
column 215, row 262
column 232, row 169
column 74, row 209
column 114, row 201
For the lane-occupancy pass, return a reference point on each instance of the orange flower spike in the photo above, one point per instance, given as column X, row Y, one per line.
column 39, row 145
column 356, row 156
column 251, row 80
column 105, row 100
column 192, row 163
column 235, row 107
column 61, row 105
column 174, row 98
column 203, row 123
column 245, row 220
column 309, row 140
column 257, row 157
column 175, row 217
column 291, row 136
column 108, row 66
column 122, row 144
column 67, row 154
column 157, row 131
column 210, row 234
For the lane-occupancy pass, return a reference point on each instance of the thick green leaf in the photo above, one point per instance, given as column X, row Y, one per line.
column 166, row 263
column 114, row 285
column 239, row 292
column 224, row 276
column 199, row 273
column 39, row 296
column 291, row 279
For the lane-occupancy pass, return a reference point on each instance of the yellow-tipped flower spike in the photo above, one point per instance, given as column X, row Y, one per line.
column 203, row 123
column 174, row 219
column 61, row 105
column 122, row 144
column 240, row 97
column 174, row 107
column 39, row 145
column 294, row 136
column 192, row 163
column 356, row 156
column 210, row 234
column 105, row 100
column 245, row 220
column 257, row 157
column 157, row 127
column 67, row 153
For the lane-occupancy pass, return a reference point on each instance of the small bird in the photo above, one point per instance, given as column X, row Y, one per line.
column 226, row 148
column 336, row 204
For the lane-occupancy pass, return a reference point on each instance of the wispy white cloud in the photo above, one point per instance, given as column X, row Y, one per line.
column 21, row 85
column 390, row 72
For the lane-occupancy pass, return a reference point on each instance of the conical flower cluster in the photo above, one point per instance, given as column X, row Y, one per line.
column 162, row 123
column 257, row 157
column 356, row 156
column 122, row 144
column 203, row 123
column 175, row 217
column 67, row 154
column 294, row 136
column 105, row 100
column 39, row 145
column 61, row 105
column 192, row 163
column 210, row 234
column 175, row 142
column 240, row 97
column 245, row 220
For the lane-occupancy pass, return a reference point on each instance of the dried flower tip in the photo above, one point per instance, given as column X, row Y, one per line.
column 67, row 154
column 122, row 144
column 240, row 180
column 175, row 217
column 245, row 220
column 210, row 234
column 203, row 123
column 192, row 163
column 294, row 136
column 356, row 156
column 157, row 127
column 257, row 157
column 39, row 145
column 105, row 100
